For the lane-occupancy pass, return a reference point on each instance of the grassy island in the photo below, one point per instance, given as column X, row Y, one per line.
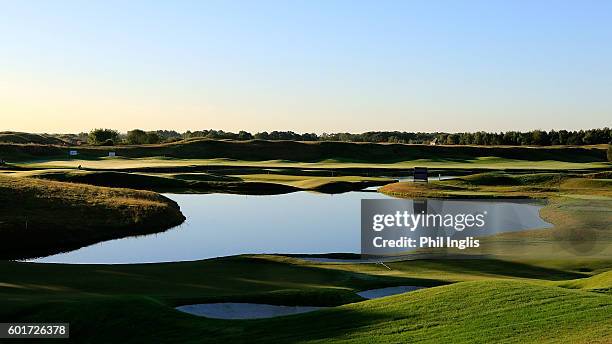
column 40, row 217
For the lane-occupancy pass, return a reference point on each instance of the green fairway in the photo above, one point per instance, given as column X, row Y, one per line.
column 480, row 163
column 599, row 283
column 527, row 308
column 202, row 152
column 535, row 286
column 206, row 182
column 503, row 185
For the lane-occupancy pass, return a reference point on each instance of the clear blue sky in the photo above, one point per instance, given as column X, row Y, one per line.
column 307, row 66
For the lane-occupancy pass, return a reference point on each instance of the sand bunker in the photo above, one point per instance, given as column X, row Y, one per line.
column 228, row 310
column 382, row 292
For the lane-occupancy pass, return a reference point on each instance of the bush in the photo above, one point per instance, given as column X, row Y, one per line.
column 152, row 137
column 103, row 136
column 139, row 137
column 136, row 137
column 610, row 151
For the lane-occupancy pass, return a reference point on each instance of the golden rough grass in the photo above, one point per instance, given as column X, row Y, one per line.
column 41, row 216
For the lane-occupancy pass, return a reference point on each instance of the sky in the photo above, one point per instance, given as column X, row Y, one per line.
column 305, row 65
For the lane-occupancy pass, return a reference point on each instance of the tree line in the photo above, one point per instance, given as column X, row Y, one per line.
column 534, row 137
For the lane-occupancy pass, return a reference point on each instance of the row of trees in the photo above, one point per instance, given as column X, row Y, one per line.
column 109, row 137
column 534, row 137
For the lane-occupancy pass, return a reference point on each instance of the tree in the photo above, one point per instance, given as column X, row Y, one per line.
column 539, row 137
column 452, row 139
column 153, row 137
column 243, row 135
column 136, row 137
column 610, row 151
column 103, row 136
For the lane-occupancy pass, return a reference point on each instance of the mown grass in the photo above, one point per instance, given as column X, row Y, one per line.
column 475, row 163
column 310, row 154
column 318, row 183
column 40, row 217
column 548, row 285
column 207, row 182
column 600, row 283
column 489, row 300
column 504, row 301
column 504, row 185
column 578, row 207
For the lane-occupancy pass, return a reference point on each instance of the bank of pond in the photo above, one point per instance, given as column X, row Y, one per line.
column 297, row 223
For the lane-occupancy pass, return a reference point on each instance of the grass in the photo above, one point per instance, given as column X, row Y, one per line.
column 504, row 185
column 43, row 217
column 309, row 154
column 548, row 285
column 577, row 206
column 491, row 301
column 207, row 182
column 317, row 183
column 475, row 163
column 600, row 283
column 23, row 138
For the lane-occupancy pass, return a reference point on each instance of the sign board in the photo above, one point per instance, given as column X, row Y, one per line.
column 111, row 154
column 420, row 174
column 73, row 153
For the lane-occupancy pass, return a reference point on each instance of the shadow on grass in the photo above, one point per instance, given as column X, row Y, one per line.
column 488, row 267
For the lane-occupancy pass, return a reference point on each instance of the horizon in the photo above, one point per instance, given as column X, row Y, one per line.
column 306, row 66
column 123, row 132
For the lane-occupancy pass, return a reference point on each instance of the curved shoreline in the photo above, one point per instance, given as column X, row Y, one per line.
column 48, row 217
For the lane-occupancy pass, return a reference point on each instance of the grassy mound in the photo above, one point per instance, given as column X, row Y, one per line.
column 197, row 182
column 63, row 216
column 107, row 178
column 601, row 282
column 207, row 182
column 341, row 152
column 133, row 304
column 505, row 179
column 318, row 183
column 504, row 185
column 17, row 137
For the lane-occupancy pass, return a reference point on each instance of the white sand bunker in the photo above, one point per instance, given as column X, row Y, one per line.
column 229, row 310
column 382, row 292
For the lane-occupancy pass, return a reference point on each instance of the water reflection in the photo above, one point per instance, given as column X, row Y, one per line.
column 223, row 224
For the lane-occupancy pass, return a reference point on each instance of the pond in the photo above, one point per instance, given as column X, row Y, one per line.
column 225, row 224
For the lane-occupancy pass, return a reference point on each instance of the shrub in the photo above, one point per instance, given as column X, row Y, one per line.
column 136, row 137
column 103, row 136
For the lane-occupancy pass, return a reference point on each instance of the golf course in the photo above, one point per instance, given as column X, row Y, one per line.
column 532, row 286
column 306, row 172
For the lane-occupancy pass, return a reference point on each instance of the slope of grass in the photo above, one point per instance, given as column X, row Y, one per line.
column 327, row 154
column 129, row 180
column 24, row 138
column 133, row 303
column 319, row 183
column 579, row 208
column 176, row 163
column 207, row 182
column 40, row 217
column 504, row 185
column 601, row 282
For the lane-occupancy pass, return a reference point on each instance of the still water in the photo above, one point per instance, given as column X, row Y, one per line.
column 223, row 224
